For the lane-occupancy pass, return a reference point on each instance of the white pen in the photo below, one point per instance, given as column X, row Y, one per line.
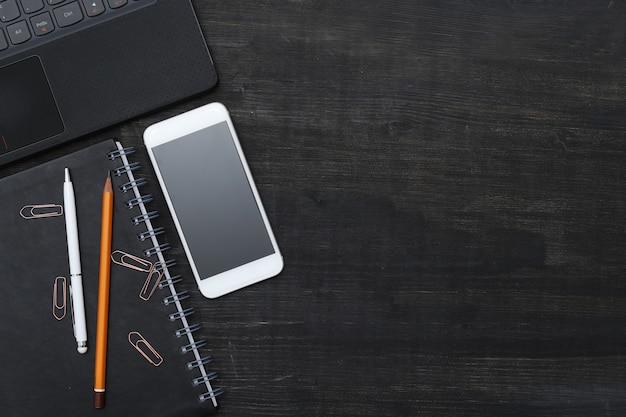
column 76, row 281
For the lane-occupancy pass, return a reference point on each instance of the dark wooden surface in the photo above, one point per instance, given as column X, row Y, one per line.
column 446, row 182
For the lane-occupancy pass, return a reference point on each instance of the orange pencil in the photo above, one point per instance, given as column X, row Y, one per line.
column 102, row 326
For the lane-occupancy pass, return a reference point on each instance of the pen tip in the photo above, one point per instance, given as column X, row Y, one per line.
column 82, row 349
column 67, row 175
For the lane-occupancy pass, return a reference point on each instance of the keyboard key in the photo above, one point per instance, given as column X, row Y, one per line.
column 42, row 24
column 68, row 15
column 114, row 4
column 9, row 10
column 18, row 32
column 3, row 41
column 93, row 7
column 53, row 2
column 32, row 6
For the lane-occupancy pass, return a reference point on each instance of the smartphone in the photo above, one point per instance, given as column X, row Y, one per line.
column 213, row 200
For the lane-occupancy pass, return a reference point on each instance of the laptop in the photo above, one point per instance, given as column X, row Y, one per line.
column 72, row 67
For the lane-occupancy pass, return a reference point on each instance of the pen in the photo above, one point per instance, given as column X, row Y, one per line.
column 76, row 281
column 103, row 294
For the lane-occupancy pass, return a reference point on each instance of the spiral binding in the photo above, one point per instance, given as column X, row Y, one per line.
column 156, row 249
column 132, row 184
column 136, row 201
column 186, row 312
column 166, row 282
column 142, row 218
column 210, row 377
column 200, row 362
column 175, row 298
column 187, row 330
column 126, row 168
column 192, row 346
column 160, row 266
column 149, row 233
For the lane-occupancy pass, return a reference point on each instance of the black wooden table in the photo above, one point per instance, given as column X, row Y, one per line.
column 446, row 182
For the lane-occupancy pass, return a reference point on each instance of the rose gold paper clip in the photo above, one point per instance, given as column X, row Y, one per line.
column 131, row 261
column 59, row 298
column 151, row 355
column 40, row 211
column 152, row 282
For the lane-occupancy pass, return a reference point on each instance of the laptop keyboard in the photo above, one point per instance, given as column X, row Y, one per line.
column 26, row 23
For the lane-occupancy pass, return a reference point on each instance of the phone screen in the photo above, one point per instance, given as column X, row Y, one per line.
column 212, row 200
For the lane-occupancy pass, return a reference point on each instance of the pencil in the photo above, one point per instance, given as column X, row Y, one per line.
column 102, row 326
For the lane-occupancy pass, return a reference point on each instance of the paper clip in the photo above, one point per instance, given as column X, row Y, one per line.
column 131, row 261
column 152, row 282
column 40, row 211
column 151, row 355
column 59, row 298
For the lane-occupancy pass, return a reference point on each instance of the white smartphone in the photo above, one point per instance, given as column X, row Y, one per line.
column 215, row 205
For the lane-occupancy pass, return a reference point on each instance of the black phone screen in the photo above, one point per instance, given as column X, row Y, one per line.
column 212, row 200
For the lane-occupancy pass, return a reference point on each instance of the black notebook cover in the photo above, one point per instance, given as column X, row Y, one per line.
column 42, row 374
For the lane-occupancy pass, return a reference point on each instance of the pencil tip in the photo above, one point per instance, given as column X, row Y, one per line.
column 67, row 175
column 108, row 183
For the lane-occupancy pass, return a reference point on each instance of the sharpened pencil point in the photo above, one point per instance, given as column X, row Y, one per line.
column 108, row 186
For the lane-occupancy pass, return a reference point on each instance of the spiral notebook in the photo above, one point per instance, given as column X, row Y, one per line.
column 156, row 363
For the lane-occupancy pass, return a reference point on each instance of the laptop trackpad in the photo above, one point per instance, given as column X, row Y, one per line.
column 28, row 111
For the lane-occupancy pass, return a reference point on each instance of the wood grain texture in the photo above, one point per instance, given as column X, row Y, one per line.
column 446, row 182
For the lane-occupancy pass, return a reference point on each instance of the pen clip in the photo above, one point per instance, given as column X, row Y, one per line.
column 72, row 309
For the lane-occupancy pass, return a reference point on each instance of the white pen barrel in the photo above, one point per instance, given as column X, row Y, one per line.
column 76, row 281
column 78, row 308
column 71, row 227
